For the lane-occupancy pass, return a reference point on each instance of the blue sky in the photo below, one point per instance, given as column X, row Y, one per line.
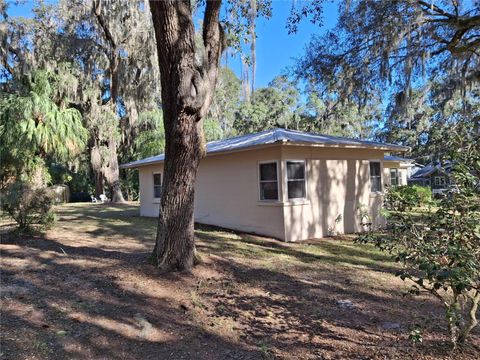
column 276, row 49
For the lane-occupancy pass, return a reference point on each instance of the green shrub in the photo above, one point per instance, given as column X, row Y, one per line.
column 401, row 198
column 407, row 197
column 438, row 248
column 30, row 208
column 424, row 194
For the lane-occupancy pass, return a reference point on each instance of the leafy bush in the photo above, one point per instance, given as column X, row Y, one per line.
column 439, row 249
column 424, row 194
column 407, row 197
column 401, row 198
column 29, row 207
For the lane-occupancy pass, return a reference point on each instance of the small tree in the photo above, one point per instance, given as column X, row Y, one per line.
column 439, row 249
column 37, row 123
column 31, row 208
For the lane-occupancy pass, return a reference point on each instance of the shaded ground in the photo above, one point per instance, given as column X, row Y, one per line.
column 84, row 291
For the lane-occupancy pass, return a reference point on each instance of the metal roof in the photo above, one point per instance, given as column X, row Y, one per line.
column 396, row 158
column 277, row 135
column 426, row 171
column 432, row 168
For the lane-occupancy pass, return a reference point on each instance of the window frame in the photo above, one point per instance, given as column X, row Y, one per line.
column 154, row 186
column 304, row 178
column 370, row 176
column 263, row 162
column 439, row 182
column 397, row 176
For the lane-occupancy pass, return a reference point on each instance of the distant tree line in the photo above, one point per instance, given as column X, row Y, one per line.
column 375, row 77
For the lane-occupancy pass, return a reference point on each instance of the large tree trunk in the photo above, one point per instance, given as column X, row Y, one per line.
column 113, row 173
column 117, row 195
column 98, row 183
column 187, row 90
column 175, row 243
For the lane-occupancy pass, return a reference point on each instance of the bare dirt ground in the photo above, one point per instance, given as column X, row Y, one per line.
column 85, row 291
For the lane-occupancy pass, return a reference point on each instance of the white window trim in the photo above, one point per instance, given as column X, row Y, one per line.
column 279, row 198
column 285, row 177
column 153, row 184
column 398, row 177
column 370, row 177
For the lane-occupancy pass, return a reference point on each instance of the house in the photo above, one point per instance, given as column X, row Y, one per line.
column 434, row 175
column 396, row 170
column 286, row 184
column 413, row 169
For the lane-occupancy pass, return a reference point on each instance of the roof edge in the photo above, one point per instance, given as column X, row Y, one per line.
column 385, row 147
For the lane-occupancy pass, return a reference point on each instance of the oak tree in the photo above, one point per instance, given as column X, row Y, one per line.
column 188, row 78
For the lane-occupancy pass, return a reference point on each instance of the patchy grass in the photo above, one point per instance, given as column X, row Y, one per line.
column 84, row 290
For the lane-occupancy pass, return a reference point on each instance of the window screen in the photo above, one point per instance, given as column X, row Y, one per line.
column 296, row 179
column 157, row 185
column 268, row 181
column 394, row 179
column 375, row 177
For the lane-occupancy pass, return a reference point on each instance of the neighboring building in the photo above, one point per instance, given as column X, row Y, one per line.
column 435, row 176
column 396, row 170
column 413, row 169
column 286, row 184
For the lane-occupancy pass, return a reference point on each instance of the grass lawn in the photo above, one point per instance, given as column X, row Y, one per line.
column 85, row 291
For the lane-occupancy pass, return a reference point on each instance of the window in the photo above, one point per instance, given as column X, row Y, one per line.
column 296, row 179
column 394, row 178
column 157, row 185
column 375, row 177
column 268, row 181
column 439, row 180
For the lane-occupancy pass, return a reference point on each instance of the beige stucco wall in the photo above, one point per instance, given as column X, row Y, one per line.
column 338, row 184
column 402, row 171
column 227, row 192
column 148, row 205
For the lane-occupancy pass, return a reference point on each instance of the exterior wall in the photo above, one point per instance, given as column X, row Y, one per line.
column 402, row 171
column 148, row 205
column 438, row 174
column 226, row 193
column 338, row 183
column 439, row 187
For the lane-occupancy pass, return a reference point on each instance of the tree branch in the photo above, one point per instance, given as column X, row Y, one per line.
column 212, row 34
column 101, row 21
column 435, row 8
column 213, row 39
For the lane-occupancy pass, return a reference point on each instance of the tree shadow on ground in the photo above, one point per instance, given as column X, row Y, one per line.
column 289, row 315
column 79, row 292
column 332, row 252
column 305, row 308
column 76, row 306
column 85, row 293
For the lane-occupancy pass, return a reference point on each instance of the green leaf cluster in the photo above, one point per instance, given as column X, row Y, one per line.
column 439, row 246
column 36, row 122
column 30, row 208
